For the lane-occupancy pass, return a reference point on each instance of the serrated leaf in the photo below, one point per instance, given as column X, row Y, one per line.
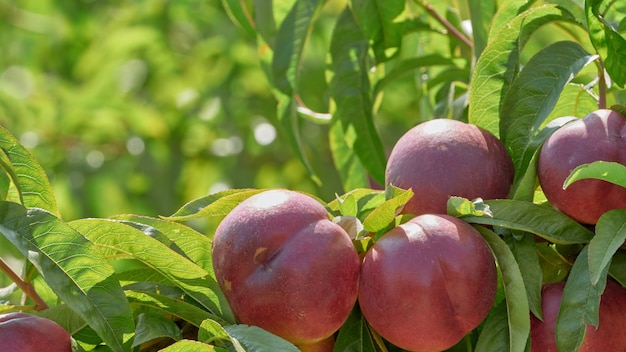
column 115, row 238
column 542, row 221
column 73, row 267
column 579, row 305
column 602, row 170
column 255, row 339
column 350, row 90
column 499, row 63
column 610, row 235
column 516, row 300
column 533, row 95
column 26, row 174
column 216, row 204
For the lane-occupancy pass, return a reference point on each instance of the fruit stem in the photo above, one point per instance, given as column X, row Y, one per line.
column 455, row 32
column 28, row 289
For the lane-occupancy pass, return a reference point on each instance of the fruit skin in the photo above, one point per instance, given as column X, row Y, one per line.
column 610, row 335
column 285, row 267
column 441, row 158
column 427, row 283
column 600, row 135
column 21, row 332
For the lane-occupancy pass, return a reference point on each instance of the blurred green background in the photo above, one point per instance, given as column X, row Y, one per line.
column 141, row 106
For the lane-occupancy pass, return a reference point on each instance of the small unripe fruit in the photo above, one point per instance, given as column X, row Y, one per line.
column 441, row 158
column 21, row 332
column 599, row 136
column 286, row 267
column 427, row 283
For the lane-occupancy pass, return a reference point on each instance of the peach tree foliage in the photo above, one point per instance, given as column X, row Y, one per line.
column 126, row 282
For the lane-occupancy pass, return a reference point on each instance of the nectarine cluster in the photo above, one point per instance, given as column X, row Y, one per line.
column 425, row 284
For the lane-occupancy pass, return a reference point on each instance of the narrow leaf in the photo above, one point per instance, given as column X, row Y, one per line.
column 385, row 214
column 499, row 63
column 216, row 204
column 290, row 40
column 350, row 90
column 533, row 95
column 482, row 14
column 602, row 170
column 494, row 334
column 609, row 44
column 515, row 293
column 170, row 306
column 26, row 174
column 355, row 335
column 378, row 20
column 116, row 238
column 524, row 250
column 579, row 305
column 610, row 235
column 239, row 13
column 192, row 346
column 152, row 326
column 542, row 221
column 73, row 267
column 255, row 339
column 352, row 171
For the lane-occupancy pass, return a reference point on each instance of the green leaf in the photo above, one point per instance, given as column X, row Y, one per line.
column 210, row 330
column 542, row 221
column 378, row 20
column 481, row 15
column 553, row 266
column 575, row 100
column 290, row 40
column 192, row 346
column 239, row 13
column 385, row 214
column 533, row 95
column 609, row 44
column 617, row 269
column 494, row 334
column 524, row 250
column 290, row 123
column 73, row 267
column 352, row 171
column 152, row 326
column 499, row 63
column 255, row 339
column 411, row 64
column 194, row 245
column 579, row 305
column 610, row 235
column 602, row 170
column 26, row 174
column 514, row 291
column 350, row 90
column 171, row 306
column 115, row 238
column 507, row 12
column 216, row 204
column 459, row 206
column 366, row 200
column 354, row 335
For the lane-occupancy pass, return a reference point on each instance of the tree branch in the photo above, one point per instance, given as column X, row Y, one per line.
column 28, row 289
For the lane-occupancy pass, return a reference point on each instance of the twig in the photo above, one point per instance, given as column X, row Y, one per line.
column 455, row 32
column 28, row 289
